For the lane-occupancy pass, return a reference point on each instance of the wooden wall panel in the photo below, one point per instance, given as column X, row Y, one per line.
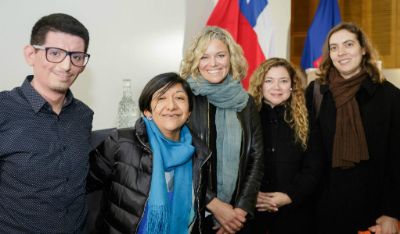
column 378, row 18
column 302, row 15
column 397, row 37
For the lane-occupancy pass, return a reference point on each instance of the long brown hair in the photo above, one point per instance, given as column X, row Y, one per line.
column 298, row 117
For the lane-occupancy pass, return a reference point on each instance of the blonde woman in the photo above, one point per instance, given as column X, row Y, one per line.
column 292, row 165
column 225, row 117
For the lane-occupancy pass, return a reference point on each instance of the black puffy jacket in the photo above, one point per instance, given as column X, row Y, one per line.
column 122, row 166
column 202, row 122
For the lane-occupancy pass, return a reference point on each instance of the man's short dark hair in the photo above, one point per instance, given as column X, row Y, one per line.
column 163, row 82
column 58, row 22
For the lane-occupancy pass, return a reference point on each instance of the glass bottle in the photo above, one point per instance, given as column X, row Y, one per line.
column 128, row 111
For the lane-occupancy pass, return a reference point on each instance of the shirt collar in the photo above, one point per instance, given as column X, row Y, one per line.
column 36, row 100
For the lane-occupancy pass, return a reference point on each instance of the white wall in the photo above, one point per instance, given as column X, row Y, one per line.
column 392, row 75
column 135, row 39
column 128, row 39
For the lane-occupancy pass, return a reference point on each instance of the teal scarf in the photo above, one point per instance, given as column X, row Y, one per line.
column 229, row 97
column 163, row 216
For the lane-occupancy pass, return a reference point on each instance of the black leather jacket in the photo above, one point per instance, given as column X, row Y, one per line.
column 122, row 166
column 202, row 122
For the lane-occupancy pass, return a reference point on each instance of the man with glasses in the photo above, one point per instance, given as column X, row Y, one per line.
column 44, row 135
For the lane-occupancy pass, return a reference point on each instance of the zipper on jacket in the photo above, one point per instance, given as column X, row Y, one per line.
column 145, row 204
column 198, row 189
column 143, row 144
column 141, row 216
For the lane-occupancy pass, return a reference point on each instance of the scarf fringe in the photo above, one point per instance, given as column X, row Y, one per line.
column 157, row 220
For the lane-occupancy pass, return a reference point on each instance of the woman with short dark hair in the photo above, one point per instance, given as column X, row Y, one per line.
column 153, row 175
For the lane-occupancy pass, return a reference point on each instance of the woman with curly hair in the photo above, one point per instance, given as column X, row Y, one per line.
column 292, row 162
column 224, row 116
column 360, row 115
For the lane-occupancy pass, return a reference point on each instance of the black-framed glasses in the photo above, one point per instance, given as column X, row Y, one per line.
column 57, row 55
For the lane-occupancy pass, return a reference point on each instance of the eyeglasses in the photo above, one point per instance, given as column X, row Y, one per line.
column 57, row 55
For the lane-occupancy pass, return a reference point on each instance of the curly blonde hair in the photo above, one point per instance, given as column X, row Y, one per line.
column 197, row 48
column 368, row 62
column 297, row 117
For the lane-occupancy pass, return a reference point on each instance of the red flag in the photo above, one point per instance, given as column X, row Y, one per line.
column 230, row 15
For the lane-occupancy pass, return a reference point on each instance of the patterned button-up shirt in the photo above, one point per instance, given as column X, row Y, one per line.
column 43, row 162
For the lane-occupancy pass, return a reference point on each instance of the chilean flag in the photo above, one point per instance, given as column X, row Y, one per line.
column 326, row 17
column 251, row 24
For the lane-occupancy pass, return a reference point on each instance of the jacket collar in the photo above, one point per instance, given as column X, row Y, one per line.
column 141, row 133
column 369, row 86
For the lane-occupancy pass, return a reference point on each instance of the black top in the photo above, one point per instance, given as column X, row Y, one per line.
column 122, row 166
column 288, row 169
column 202, row 123
column 43, row 162
column 352, row 199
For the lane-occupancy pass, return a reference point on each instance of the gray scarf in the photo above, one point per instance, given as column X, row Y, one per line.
column 229, row 97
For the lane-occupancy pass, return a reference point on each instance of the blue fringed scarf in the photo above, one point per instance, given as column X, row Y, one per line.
column 229, row 97
column 163, row 216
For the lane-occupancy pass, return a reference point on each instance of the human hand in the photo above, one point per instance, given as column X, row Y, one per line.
column 385, row 225
column 264, row 203
column 241, row 214
column 272, row 201
column 231, row 220
column 221, row 230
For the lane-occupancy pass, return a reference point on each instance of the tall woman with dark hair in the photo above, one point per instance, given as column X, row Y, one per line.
column 153, row 175
column 360, row 123
column 292, row 160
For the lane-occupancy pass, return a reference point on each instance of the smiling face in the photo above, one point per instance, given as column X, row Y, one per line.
column 277, row 86
column 215, row 63
column 346, row 53
column 170, row 111
column 54, row 78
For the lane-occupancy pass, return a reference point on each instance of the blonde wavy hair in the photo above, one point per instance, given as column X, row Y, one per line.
column 197, row 48
column 297, row 117
column 368, row 62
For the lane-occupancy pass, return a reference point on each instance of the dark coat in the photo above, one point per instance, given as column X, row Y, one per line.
column 352, row 199
column 202, row 122
column 288, row 169
column 122, row 167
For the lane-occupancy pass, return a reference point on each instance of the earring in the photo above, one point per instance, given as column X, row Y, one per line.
column 290, row 89
column 150, row 117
